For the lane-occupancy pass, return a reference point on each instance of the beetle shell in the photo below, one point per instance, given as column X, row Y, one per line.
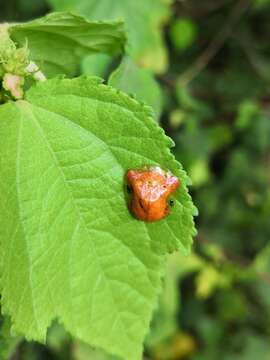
column 150, row 191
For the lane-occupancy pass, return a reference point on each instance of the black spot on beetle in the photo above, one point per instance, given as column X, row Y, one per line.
column 171, row 202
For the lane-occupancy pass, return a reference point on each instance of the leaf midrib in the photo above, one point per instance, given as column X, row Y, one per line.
column 35, row 121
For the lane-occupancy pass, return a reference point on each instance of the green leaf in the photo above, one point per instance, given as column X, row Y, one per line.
column 81, row 351
column 247, row 111
column 70, row 248
column 95, row 65
column 183, row 33
column 133, row 80
column 58, row 41
column 164, row 323
column 143, row 18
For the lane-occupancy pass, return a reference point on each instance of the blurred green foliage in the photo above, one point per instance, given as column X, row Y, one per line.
column 183, row 33
column 216, row 303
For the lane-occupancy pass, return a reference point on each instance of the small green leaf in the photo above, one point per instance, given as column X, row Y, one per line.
column 247, row 111
column 58, row 41
column 183, row 33
column 70, row 249
column 143, row 18
column 139, row 82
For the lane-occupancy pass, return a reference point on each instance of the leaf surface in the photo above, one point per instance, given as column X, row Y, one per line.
column 138, row 82
column 70, row 249
column 143, row 18
column 96, row 65
column 58, row 41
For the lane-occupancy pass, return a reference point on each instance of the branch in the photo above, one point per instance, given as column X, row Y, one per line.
column 217, row 43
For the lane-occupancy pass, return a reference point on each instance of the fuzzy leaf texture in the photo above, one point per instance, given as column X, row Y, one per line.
column 70, row 249
column 143, row 19
column 58, row 41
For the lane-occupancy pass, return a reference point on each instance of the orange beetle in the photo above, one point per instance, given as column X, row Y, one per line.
column 150, row 191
